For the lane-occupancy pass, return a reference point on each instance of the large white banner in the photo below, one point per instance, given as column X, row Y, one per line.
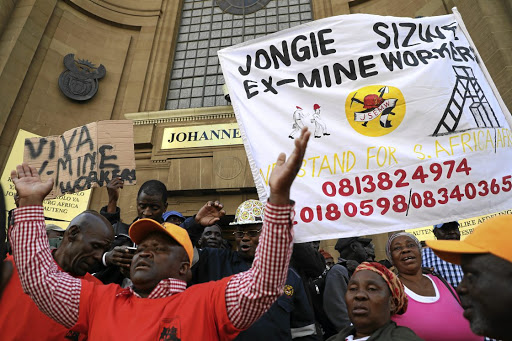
column 408, row 129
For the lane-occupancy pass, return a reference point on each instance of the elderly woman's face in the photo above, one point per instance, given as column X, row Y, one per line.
column 406, row 255
column 369, row 301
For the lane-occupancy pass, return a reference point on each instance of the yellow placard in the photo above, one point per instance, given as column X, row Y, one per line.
column 466, row 226
column 65, row 207
column 201, row 136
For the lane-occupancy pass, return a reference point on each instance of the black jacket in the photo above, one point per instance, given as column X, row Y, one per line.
column 388, row 332
column 290, row 314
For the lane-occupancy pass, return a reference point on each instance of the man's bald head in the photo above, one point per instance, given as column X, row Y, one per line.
column 87, row 237
column 91, row 219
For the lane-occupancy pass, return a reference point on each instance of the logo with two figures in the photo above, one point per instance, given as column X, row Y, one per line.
column 375, row 110
column 298, row 122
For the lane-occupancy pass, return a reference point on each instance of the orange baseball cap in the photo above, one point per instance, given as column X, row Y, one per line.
column 142, row 227
column 492, row 236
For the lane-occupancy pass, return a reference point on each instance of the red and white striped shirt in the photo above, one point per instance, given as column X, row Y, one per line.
column 247, row 294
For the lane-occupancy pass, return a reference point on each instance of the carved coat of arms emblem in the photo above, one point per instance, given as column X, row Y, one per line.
column 80, row 81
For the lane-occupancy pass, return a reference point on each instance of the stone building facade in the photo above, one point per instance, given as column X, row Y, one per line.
column 162, row 72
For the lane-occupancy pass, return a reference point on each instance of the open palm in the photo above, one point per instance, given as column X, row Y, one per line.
column 29, row 186
column 210, row 213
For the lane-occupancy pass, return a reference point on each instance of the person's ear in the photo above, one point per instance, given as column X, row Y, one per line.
column 73, row 232
column 392, row 305
column 184, row 267
column 165, row 206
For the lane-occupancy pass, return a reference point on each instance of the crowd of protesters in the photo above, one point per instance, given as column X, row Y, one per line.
column 167, row 277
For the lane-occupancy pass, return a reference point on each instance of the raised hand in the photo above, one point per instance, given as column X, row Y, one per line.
column 210, row 213
column 113, row 189
column 29, row 186
column 285, row 171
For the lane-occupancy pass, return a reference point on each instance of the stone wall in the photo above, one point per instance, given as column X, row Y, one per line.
column 132, row 39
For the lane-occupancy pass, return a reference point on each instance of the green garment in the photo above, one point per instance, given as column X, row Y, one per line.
column 389, row 331
column 55, row 242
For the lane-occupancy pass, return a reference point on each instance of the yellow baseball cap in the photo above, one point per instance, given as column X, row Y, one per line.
column 492, row 236
column 142, row 227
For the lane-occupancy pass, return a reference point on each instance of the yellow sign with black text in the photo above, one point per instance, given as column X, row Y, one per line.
column 466, row 226
column 201, row 136
column 64, row 207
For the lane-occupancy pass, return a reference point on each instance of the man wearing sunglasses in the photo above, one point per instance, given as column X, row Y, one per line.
column 215, row 263
column 246, row 241
column 291, row 316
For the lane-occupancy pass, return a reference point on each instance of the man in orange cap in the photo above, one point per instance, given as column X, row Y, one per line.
column 158, row 306
column 485, row 291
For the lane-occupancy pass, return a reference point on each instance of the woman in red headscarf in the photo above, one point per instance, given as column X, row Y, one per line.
column 374, row 294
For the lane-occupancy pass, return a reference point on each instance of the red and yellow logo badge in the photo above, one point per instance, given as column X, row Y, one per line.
column 288, row 290
column 375, row 110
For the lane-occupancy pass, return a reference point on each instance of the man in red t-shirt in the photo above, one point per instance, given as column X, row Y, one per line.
column 89, row 235
column 157, row 306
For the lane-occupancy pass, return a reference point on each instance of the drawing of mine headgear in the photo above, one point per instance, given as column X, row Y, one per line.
column 249, row 212
column 466, row 92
